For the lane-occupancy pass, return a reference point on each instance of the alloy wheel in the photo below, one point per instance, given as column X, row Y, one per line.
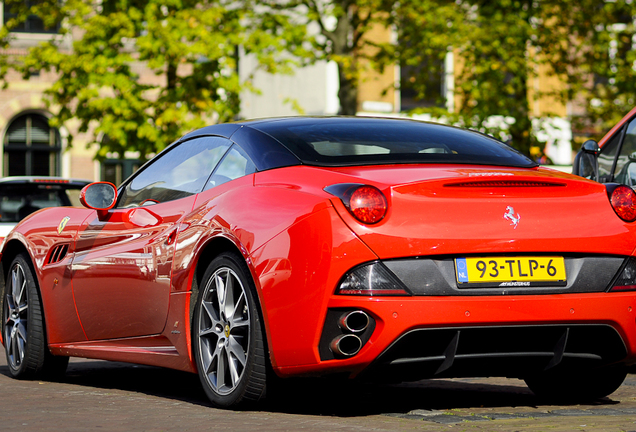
column 223, row 330
column 15, row 317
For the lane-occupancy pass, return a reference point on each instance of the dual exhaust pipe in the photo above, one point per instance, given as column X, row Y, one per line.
column 349, row 344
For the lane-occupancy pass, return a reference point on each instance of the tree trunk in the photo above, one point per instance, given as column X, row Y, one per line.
column 521, row 130
column 347, row 93
column 171, row 76
column 343, row 52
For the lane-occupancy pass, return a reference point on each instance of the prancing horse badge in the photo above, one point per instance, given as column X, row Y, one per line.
column 510, row 215
column 62, row 224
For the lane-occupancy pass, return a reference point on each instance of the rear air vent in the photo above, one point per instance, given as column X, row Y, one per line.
column 505, row 183
column 57, row 253
column 512, row 351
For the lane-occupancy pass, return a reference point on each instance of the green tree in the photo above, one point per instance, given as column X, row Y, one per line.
column 5, row 60
column 190, row 47
column 342, row 25
column 493, row 42
column 590, row 45
column 425, row 30
column 500, row 44
column 342, row 35
column 497, row 63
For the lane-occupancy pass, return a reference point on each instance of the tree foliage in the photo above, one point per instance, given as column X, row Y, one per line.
column 498, row 61
column 501, row 44
column 341, row 26
column 492, row 43
column 190, row 47
column 591, row 45
column 143, row 72
column 425, row 30
column 343, row 30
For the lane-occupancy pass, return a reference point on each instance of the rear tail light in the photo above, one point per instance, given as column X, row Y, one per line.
column 627, row 280
column 623, row 200
column 366, row 203
column 372, row 279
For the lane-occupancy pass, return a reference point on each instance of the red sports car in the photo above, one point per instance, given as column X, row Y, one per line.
column 370, row 248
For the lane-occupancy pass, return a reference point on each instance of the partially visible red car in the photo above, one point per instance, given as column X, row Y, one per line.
column 22, row 195
column 367, row 248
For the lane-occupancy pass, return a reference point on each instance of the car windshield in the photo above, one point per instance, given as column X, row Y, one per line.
column 17, row 201
column 355, row 141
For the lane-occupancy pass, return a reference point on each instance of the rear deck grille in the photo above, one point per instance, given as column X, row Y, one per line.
column 505, row 183
column 514, row 351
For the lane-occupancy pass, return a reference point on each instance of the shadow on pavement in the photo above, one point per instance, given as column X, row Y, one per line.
column 347, row 399
column 309, row 396
column 152, row 381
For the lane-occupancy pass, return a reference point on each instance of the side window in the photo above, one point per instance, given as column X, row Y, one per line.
column 234, row 165
column 179, row 173
column 607, row 156
column 625, row 171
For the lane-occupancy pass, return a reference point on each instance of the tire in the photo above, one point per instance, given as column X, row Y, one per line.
column 28, row 356
column 584, row 386
column 227, row 335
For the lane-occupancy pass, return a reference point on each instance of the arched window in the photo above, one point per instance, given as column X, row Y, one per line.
column 32, row 24
column 31, row 147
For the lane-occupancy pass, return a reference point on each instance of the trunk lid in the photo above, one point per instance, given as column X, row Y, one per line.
column 467, row 210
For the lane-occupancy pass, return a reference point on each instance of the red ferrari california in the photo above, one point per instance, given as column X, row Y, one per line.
column 374, row 249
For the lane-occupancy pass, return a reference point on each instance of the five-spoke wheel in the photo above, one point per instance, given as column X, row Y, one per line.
column 16, row 312
column 23, row 326
column 227, row 334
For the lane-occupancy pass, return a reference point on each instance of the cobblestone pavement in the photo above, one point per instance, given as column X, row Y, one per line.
column 108, row 396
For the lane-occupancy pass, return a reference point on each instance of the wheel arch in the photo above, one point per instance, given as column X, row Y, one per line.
column 12, row 249
column 209, row 251
column 212, row 249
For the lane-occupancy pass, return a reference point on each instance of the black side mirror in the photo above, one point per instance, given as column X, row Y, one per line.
column 591, row 147
column 586, row 161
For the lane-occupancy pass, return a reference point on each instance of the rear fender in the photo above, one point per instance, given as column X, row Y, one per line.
column 296, row 273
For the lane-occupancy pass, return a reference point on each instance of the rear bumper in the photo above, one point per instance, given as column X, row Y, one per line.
column 513, row 351
column 546, row 316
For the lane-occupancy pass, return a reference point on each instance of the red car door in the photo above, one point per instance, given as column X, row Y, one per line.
column 123, row 261
column 121, row 270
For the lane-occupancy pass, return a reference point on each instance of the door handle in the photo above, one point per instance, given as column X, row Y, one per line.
column 171, row 237
column 142, row 217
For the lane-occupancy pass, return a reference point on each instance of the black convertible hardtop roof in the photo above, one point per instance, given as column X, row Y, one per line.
column 348, row 141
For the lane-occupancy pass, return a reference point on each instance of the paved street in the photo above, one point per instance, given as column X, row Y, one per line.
column 106, row 396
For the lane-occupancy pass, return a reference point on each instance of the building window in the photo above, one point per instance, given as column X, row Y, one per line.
column 33, row 23
column 32, row 147
column 118, row 170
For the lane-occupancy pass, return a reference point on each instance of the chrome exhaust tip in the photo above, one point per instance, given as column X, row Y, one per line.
column 346, row 345
column 355, row 321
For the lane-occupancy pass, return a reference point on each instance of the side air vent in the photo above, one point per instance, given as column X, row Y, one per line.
column 505, row 183
column 57, row 253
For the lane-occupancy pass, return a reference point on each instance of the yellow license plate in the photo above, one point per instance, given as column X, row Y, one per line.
column 524, row 271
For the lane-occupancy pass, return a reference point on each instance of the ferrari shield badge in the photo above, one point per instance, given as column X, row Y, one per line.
column 512, row 217
column 62, row 224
